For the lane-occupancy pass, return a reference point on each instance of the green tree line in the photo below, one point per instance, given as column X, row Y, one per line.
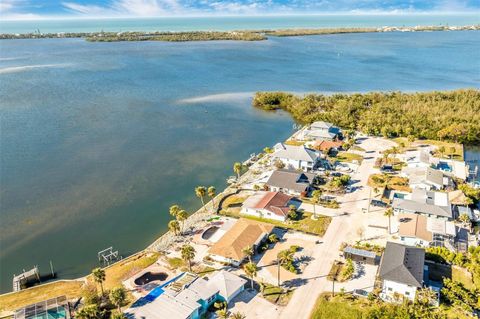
column 451, row 115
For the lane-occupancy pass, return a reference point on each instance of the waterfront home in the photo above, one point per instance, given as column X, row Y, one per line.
column 402, row 271
column 419, row 230
column 229, row 248
column 187, row 297
column 291, row 182
column 270, row 205
column 320, row 130
column 420, row 158
column 295, row 157
column 428, row 203
column 426, row 178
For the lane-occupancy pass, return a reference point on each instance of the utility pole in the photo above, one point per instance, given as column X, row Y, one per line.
column 51, row 269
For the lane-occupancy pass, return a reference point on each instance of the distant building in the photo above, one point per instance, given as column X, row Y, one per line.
column 270, row 205
column 321, row 131
column 291, row 182
column 295, row 157
column 402, row 271
column 428, row 203
column 229, row 248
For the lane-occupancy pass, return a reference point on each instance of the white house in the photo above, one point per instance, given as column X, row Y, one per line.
column 320, row 130
column 295, row 157
column 428, row 203
column 419, row 158
column 402, row 271
column 426, row 178
column 271, row 205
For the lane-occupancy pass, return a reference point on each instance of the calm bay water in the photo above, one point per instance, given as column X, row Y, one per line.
column 99, row 139
column 237, row 23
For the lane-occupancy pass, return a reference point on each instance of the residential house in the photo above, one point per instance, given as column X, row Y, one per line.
column 426, row 178
column 428, row 203
column 327, row 146
column 419, row 230
column 321, row 131
column 270, row 205
column 360, row 255
column 229, row 248
column 401, row 271
column 187, row 296
column 291, row 182
column 295, row 157
column 419, row 158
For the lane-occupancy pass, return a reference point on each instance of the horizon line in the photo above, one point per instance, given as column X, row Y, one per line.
column 233, row 15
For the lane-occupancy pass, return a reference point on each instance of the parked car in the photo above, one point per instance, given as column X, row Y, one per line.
column 378, row 203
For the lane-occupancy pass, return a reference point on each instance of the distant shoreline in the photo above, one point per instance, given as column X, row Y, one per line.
column 241, row 35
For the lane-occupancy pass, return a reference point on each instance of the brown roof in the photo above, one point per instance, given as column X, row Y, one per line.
column 244, row 233
column 414, row 225
column 457, row 197
column 326, row 145
column 276, row 202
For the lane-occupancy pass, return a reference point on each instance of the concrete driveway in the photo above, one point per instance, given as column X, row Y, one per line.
column 343, row 228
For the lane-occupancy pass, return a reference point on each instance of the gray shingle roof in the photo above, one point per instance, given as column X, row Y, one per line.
column 291, row 179
column 425, row 202
column 403, row 264
column 297, row 153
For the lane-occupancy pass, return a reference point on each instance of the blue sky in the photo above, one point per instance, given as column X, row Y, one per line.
column 24, row 9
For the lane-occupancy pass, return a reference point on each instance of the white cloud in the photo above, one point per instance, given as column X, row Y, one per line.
column 85, row 9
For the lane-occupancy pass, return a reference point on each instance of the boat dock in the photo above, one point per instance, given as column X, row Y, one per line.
column 25, row 277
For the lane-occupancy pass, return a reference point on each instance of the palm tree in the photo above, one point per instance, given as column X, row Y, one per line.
column 284, row 257
column 174, row 209
column 273, row 238
column 118, row 315
column 174, row 226
column 201, row 191
column 315, row 200
column 251, row 271
column 222, row 313
column 182, row 217
column 464, row 219
column 248, row 251
column 117, row 297
column 99, row 277
column 212, row 192
column 238, row 315
column 237, row 169
column 389, row 214
column 88, row 312
column 188, row 253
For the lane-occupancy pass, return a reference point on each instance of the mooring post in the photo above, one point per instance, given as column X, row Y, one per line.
column 51, row 269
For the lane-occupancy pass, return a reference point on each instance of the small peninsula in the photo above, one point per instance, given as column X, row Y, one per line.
column 240, row 35
column 449, row 115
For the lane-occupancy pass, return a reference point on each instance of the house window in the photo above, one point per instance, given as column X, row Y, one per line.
column 407, row 293
column 389, row 288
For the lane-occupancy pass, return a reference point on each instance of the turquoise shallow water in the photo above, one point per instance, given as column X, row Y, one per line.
column 99, row 139
column 237, row 23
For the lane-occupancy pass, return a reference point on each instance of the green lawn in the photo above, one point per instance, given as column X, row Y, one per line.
column 348, row 157
column 463, row 276
column 458, row 155
column 337, row 309
column 304, row 223
column 277, row 295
